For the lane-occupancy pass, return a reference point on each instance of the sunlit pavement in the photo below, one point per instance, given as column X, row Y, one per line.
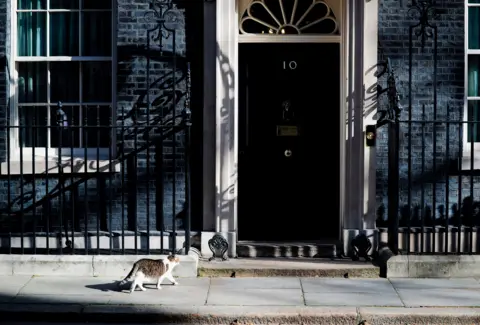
column 227, row 298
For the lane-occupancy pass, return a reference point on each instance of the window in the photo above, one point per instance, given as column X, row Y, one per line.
column 471, row 133
column 62, row 52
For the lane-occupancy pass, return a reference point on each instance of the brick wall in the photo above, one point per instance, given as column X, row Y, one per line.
column 4, row 21
column 394, row 23
column 131, row 110
column 132, row 90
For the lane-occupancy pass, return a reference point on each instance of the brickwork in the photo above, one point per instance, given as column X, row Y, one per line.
column 4, row 21
column 394, row 22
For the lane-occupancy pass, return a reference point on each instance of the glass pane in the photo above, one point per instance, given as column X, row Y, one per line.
column 33, row 126
column 31, row 4
column 65, row 132
column 97, row 130
column 473, row 70
column 64, row 4
column 64, row 34
column 473, row 115
column 474, row 27
column 97, row 81
column 97, row 4
column 32, row 82
column 473, row 1
column 64, row 82
column 97, row 33
column 32, row 35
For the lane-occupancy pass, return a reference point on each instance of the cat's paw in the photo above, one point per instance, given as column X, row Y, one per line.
column 159, row 288
column 143, row 289
column 175, row 283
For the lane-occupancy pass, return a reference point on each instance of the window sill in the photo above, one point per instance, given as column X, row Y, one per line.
column 68, row 166
column 466, row 162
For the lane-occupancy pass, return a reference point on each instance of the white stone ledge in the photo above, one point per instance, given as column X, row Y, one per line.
column 87, row 265
column 68, row 166
column 433, row 266
column 116, row 242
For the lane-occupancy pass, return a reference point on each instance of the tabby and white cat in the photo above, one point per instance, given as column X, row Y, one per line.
column 147, row 269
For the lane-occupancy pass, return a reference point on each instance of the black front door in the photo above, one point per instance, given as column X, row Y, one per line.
column 289, row 148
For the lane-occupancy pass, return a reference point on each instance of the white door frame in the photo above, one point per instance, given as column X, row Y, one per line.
column 325, row 38
column 220, row 216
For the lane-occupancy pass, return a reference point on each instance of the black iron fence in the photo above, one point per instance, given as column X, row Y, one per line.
column 121, row 196
column 433, row 171
column 105, row 180
column 432, row 197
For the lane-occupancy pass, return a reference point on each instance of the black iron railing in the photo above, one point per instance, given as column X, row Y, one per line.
column 433, row 173
column 438, row 206
column 77, row 203
column 120, row 186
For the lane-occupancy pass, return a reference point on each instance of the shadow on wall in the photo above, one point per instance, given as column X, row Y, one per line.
column 465, row 214
column 161, row 106
column 226, row 196
column 429, row 151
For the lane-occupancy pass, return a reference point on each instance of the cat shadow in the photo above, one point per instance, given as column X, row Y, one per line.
column 106, row 287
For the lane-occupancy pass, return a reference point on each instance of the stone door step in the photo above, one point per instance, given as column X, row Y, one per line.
column 288, row 267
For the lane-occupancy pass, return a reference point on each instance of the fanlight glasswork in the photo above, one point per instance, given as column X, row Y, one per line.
column 288, row 17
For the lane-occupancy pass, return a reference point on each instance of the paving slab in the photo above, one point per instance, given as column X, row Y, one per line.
column 191, row 282
column 182, row 282
column 11, row 286
column 21, row 309
column 363, row 299
column 256, row 283
column 440, row 297
column 70, row 285
column 62, row 299
column 255, row 297
column 168, row 295
column 19, row 280
column 322, row 285
column 454, row 292
column 425, row 284
column 254, row 300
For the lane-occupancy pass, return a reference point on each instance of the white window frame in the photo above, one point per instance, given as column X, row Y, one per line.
column 54, row 153
column 465, row 164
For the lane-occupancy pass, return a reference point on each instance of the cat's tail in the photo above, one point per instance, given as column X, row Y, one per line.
column 130, row 275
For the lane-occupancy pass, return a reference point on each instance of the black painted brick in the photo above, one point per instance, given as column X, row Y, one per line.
column 394, row 23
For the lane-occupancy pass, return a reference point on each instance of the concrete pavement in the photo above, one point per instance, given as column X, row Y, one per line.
column 257, row 300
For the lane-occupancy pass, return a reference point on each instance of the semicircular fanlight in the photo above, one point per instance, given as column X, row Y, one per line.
column 288, row 17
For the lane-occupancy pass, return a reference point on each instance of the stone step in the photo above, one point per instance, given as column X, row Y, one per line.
column 271, row 249
column 287, row 267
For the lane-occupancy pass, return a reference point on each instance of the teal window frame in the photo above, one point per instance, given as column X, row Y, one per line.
column 472, row 74
column 52, row 58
